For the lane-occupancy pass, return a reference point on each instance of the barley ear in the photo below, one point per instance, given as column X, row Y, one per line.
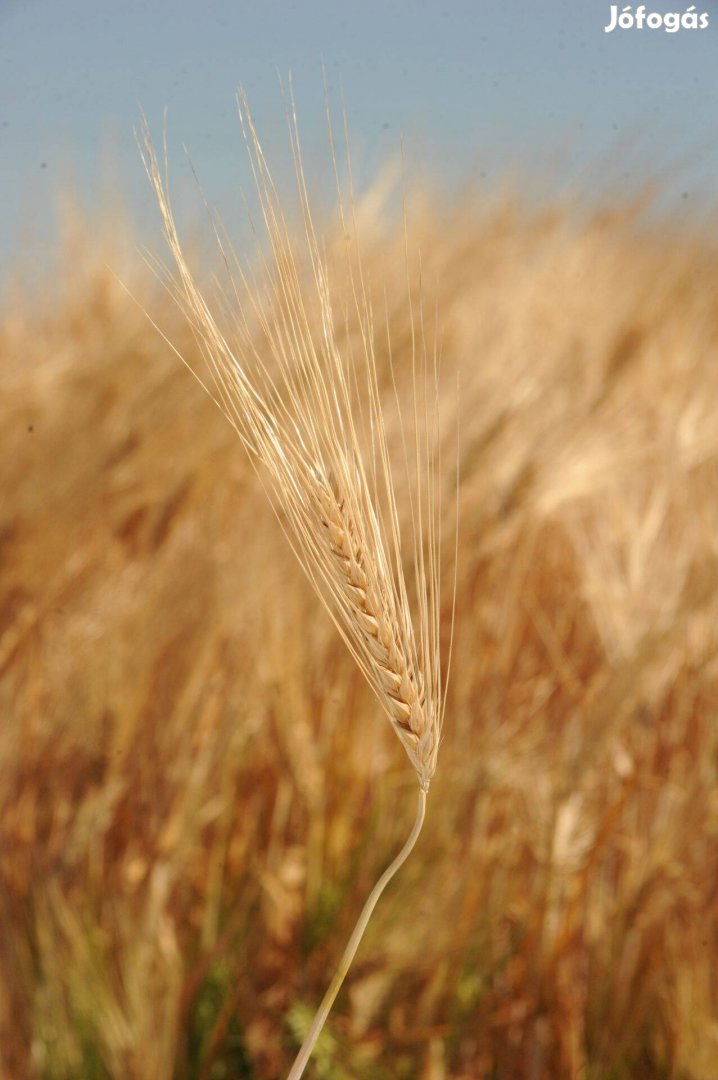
column 312, row 421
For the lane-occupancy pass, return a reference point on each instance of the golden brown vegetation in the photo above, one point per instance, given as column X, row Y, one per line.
column 196, row 791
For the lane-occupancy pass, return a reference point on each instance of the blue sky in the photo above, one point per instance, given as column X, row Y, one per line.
column 473, row 87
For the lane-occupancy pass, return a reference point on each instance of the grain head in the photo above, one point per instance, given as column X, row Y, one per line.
column 307, row 405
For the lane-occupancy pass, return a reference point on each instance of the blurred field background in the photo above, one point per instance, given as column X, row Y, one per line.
column 196, row 787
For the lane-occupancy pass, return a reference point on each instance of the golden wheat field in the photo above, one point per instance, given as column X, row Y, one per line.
column 197, row 789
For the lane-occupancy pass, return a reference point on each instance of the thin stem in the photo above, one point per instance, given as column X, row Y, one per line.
column 352, row 945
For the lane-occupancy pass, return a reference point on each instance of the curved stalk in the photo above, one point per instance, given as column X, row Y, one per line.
column 324, row 1009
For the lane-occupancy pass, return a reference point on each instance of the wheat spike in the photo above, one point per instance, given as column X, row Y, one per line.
column 381, row 636
column 294, row 405
column 311, row 417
